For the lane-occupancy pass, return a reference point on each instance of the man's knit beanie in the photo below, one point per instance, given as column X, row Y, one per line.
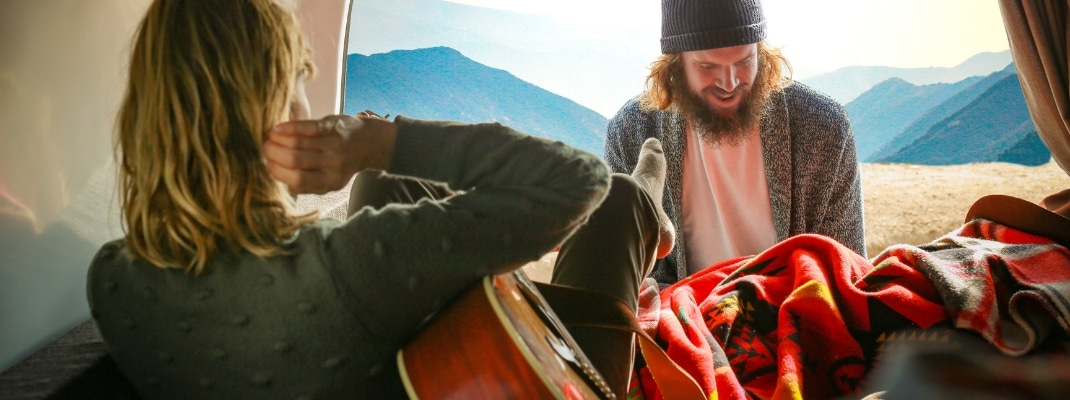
column 689, row 25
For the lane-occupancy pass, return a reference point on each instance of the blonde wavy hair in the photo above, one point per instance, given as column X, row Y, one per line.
column 659, row 89
column 207, row 80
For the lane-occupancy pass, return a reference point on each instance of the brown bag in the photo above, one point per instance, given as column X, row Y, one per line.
column 1050, row 219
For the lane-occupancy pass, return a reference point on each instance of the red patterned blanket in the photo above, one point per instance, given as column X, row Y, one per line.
column 809, row 318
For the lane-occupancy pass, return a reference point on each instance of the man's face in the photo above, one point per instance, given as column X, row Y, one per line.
column 717, row 94
column 722, row 77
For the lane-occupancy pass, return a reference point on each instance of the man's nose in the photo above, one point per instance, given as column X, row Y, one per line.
column 726, row 79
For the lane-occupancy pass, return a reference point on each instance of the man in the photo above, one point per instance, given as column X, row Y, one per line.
column 753, row 157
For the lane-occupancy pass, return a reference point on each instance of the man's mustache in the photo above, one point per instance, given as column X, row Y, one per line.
column 721, row 93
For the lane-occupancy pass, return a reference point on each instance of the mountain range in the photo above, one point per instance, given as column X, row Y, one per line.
column 847, row 83
column 891, row 106
column 598, row 68
column 979, row 118
column 441, row 83
column 445, row 60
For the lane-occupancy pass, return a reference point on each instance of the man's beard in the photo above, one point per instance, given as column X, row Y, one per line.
column 716, row 128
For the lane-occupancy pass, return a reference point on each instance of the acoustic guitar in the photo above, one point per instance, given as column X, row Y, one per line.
column 499, row 340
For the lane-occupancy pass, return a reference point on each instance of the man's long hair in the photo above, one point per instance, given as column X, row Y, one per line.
column 774, row 72
column 207, row 80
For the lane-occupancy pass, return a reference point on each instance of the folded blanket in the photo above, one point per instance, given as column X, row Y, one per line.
column 808, row 318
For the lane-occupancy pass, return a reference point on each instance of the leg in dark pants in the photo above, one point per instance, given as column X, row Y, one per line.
column 614, row 251
column 611, row 254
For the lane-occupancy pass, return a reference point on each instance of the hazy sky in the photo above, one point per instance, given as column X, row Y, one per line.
column 823, row 35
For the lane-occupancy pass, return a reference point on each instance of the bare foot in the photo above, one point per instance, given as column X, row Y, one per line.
column 650, row 174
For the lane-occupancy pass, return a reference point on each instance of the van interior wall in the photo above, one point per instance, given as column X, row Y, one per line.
column 62, row 74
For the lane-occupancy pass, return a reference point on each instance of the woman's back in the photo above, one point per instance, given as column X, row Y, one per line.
column 279, row 327
column 347, row 295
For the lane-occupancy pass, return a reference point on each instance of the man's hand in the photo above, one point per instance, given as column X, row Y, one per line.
column 322, row 155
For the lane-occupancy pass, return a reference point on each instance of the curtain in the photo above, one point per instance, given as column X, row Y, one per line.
column 1037, row 33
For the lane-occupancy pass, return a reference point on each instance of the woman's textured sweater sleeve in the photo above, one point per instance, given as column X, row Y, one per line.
column 519, row 197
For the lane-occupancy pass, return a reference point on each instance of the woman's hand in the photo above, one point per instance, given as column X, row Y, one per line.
column 319, row 156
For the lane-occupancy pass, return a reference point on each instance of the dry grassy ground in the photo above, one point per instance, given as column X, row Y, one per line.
column 915, row 204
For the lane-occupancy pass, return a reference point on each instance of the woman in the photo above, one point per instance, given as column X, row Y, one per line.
column 219, row 291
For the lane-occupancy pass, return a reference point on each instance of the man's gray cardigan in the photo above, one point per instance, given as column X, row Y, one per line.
column 814, row 179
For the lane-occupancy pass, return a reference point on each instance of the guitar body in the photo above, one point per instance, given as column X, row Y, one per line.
column 498, row 341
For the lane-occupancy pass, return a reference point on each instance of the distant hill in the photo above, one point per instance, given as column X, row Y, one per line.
column 1025, row 147
column 919, row 126
column 845, row 84
column 441, row 83
column 884, row 111
column 598, row 68
column 995, row 126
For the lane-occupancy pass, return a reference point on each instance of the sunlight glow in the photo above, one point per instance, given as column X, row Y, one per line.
column 824, row 35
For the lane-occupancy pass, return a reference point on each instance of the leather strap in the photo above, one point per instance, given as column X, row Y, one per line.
column 599, row 310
